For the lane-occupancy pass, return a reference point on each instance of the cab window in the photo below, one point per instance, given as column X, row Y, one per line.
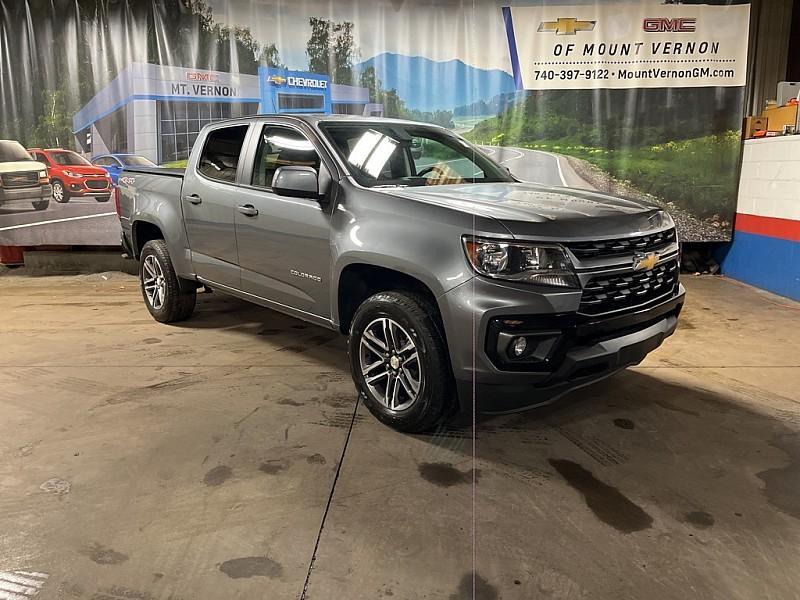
column 281, row 147
column 221, row 153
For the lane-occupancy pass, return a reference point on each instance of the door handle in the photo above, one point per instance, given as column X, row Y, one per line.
column 248, row 210
column 194, row 199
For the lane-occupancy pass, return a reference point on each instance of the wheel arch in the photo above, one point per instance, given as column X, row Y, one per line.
column 357, row 281
column 143, row 231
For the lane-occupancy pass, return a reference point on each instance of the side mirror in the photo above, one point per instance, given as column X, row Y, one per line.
column 297, row 182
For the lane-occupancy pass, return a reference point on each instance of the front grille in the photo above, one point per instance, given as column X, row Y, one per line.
column 641, row 243
column 604, row 294
column 21, row 180
column 97, row 184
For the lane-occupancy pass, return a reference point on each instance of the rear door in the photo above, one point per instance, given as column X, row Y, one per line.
column 209, row 199
column 284, row 243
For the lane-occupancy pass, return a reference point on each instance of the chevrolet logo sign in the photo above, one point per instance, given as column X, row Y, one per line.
column 568, row 26
column 277, row 79
column 645, row 262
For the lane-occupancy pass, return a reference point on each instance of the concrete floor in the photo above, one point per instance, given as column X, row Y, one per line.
column 143, row 461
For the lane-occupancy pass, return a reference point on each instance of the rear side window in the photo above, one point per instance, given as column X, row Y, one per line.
column 221, row 153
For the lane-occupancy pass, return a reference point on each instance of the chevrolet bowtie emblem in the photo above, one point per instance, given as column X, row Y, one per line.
column 568, row 26
column 277, row 79
column 645, row 262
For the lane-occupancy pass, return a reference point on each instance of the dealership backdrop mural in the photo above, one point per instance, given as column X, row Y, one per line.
column 639, row 98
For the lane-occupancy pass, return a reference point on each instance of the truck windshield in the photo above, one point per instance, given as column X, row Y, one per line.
column 382, row 154
column 68, row 158
column 11, row 151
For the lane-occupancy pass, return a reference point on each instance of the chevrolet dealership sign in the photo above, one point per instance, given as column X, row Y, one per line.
column 628, row 45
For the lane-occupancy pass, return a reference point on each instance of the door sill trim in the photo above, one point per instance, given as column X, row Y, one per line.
column 261, row 301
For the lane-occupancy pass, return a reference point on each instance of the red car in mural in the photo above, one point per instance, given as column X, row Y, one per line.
column 71, row 175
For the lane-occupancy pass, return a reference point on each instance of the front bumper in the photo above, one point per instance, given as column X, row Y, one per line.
column 27, row 194
column 79, row 187
column 580, row 350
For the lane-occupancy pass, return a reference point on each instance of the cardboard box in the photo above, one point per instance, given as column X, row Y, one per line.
column 753, row 124
column 780, row 116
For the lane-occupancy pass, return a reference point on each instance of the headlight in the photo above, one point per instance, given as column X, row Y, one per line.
column 71, row 174
column 521, row 262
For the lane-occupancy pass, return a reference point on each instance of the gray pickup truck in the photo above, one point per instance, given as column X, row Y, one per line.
column 461, row 288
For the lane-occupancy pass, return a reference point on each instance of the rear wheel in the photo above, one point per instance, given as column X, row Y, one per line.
column 60, row 193
column 167, row 297
column 399, row 361
column 41, row 204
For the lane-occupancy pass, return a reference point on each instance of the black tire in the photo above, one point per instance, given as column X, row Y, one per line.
column 63, row 194
column 417, row 316
column 102, row 198
column 180, row 297
column 41, row 204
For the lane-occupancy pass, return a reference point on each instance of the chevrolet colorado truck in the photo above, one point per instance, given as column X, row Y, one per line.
column 22, row 179
column 459, row 287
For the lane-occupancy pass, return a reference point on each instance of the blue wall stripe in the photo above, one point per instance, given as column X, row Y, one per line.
column 766, row 262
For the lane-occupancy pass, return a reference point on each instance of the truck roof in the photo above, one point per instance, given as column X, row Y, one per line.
column 313, row 119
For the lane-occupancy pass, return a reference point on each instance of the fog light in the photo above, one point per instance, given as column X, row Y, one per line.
column 519, row 346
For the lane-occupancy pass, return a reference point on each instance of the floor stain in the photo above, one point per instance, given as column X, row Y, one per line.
column 218, row 475
column 122, row 593
column 445, row 474
column 340, row 400
column 782, row 485
column 273, row 467
column 270, row 331
column 151, row 341
column 251, row 566
column 316, row 459
column 474, row 587
column 104, row 556
column 606, row 502
column 674, row 408
column 624, row 423
column 700, row 519
column 59, row 487
column 290, row 402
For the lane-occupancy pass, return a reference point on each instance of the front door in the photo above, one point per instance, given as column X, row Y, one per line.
column 284, row 243
column 209, row 201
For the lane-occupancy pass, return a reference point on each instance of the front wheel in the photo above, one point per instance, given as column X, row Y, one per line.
column 40, row 204
column 166, row 299
column 102, row 198
column 60, row 193
column 399, row 361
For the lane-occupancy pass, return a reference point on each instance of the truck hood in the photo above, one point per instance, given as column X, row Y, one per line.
column 21, row 166
column 529, row 209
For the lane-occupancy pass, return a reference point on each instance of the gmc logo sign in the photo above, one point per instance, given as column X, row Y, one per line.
column 194, row 76
column 665, row 25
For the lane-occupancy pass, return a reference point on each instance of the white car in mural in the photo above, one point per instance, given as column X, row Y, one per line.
column 22, row 179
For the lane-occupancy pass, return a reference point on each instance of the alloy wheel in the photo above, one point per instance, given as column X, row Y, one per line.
column 155, row 287
column 58, row 192
column 389, row 362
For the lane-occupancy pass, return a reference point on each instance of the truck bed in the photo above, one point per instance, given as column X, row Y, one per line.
column 151, row 194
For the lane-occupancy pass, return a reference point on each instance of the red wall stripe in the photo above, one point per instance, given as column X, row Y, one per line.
column 784, row 229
